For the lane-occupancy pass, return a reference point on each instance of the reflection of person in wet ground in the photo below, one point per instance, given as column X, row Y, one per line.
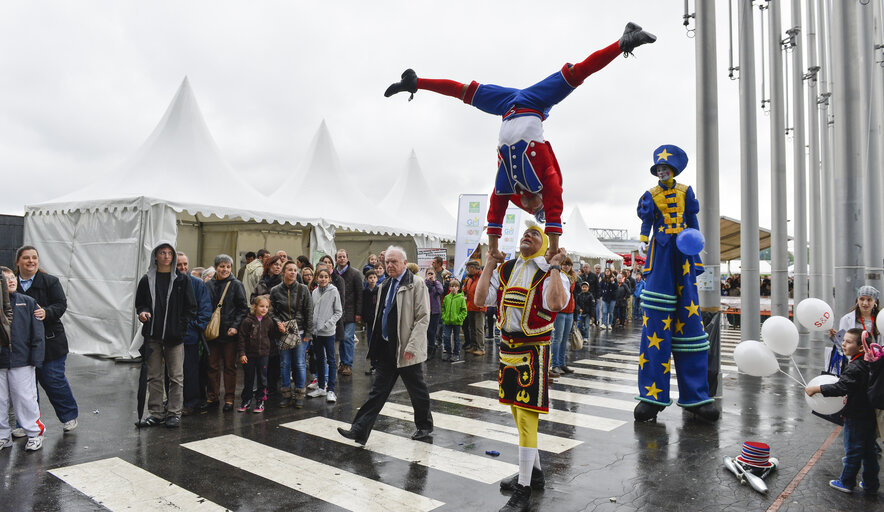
column 528, row 291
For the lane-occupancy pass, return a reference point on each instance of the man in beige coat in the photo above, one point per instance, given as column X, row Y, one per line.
column 399, row 345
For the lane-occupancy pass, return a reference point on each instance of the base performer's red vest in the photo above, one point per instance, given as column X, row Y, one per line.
column 537, row 322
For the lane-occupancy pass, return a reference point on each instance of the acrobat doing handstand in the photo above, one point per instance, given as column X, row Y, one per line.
column 528, row 174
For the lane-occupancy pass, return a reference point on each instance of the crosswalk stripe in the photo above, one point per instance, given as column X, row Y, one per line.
column 567, row 396
column 623, row 357
column 605, row 386
column 611, row 364
column 474, row 467
column 632, row 377
column 478, row 428
column 554, row 416
column 118, row 485
column 327, row 483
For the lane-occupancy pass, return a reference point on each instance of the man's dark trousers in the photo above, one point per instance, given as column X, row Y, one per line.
column 384, row 380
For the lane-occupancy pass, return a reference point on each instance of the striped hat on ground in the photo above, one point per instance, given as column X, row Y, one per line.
column 755, row 454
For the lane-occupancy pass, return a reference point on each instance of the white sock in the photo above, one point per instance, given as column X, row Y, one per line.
column 526, row 463
column 537, row 459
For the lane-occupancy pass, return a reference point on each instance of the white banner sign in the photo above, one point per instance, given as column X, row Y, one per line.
column 425, row 257
column 471, row 210
column 512, row 231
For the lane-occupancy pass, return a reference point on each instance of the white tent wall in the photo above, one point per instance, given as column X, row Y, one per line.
column 99, row 254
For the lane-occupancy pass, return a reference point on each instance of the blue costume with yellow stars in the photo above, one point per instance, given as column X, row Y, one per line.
column 671, row 321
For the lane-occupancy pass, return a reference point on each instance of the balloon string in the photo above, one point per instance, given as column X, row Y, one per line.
column 791, row 377
column 791, row 358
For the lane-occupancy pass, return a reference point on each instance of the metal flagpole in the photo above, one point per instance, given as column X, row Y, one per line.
column 750, row 303
column 827, row 231
column 799, row 227
column 709, row 287
column 871, row 186
column 779, row 260
column 847, row 103
column 813, row 168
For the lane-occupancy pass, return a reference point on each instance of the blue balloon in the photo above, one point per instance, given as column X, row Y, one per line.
column 690, row 242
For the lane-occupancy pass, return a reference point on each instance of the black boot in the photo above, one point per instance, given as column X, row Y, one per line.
column 634, row 37
column 520, row 501
column 707, row 411
column 537, row 481
column 407, row 84
column 646, row 411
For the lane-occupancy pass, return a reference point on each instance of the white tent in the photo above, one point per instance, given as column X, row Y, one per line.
column 98, row 240
column 578, row 239
column 417, row 205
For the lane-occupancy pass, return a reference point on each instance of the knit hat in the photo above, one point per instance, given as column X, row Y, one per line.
column 868, row 291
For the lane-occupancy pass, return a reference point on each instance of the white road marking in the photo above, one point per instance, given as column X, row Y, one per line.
column 578, row 398
column 554, row 416
column 624, row 357
column 322, row 481
column 480, row 468
column 118, row 485
column 478, row 428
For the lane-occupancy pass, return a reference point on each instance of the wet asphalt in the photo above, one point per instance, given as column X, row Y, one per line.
column 674, row 464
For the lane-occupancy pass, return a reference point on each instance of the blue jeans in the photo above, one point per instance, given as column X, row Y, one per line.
column 583, row 324
column 859, row 449
column 447, row 340
column 598, row 309
column 324, row 348
column 560, row 338
column 345, row 350
column 285, row 366
column 55, row 384
column 431, row 331
column 636, row 308
column 607, row 312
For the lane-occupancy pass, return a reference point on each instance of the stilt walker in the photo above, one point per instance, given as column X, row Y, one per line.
column 528, row 174
column 528, row 291
column 671, row 321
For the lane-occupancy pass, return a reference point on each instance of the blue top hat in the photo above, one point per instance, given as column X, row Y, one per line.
column 671, row 155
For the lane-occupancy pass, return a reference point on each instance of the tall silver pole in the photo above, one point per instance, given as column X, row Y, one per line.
column 877, row 90
column 827, row 233
column 871, row 187
column 779, row 259
column 707, row 153
column 750, row 303
column 799, row 228
column 848, row 154
column 813, row 167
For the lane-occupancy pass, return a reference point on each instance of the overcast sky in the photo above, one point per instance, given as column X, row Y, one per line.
column 85, row 83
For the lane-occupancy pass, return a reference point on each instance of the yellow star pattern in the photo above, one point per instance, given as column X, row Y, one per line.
column 661, row 229
column 666, row 365
column 686, row 268
column 667, row 323
column 644, row 320
column 663, row 155
column 641, row 361
column 679, row 288
column 693, row 309
column 679, row 326
column 653, row 390
column 654, row 341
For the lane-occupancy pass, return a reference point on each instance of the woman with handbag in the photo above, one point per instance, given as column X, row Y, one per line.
column 229, row 310
column 564, row 321
column 292, row 311
column 327, row 310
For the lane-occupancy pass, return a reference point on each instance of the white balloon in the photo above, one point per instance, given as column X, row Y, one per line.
column 780, row 334
column 879, row 320
column 824, row 404
column 754, row 358
column 815, row 314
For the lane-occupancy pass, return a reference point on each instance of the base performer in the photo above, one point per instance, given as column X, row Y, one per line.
column 671, row 321
column 528, row 174
column 528, row 292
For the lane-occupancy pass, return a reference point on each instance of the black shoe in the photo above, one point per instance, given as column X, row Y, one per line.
column 707, row 411
column 211, row 405
column 537, row 481
column 285, row 402
column 353, row 436
column 407, row 84
column 150, row 421
column 298, row 402
column 421, row 434
column 520, row 501
column 633, row 37
column 228, row 406
column 565, row 369
column 173, row 422
column 646, row 411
